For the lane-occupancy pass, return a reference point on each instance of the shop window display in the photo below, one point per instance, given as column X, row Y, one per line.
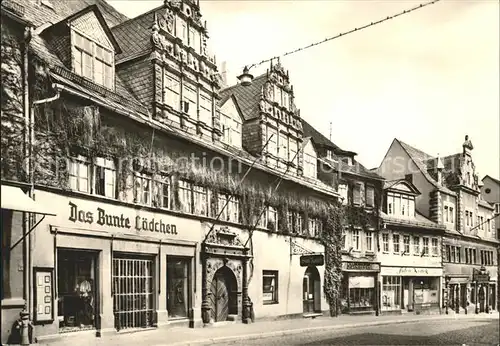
column 76, row 274
column 391, row 293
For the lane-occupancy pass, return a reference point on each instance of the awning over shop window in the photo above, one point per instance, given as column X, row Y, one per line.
column 14, row 198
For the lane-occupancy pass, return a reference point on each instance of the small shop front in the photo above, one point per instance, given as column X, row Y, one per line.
column 104, row 267
column 359, row 287
column 470, row 289
column 410, row 289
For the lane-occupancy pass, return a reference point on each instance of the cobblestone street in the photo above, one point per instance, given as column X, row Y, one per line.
column 287, row 330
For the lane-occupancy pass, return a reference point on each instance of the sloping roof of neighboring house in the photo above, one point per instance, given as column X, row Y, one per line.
column 321, row 140
column 493, row 179
column 247, row 97
column 134, row 35
column 421, row 160
column 39, row 14
column 355, row 169
column 420, row 221
column 485, row 204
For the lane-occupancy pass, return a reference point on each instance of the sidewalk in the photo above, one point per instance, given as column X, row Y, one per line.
column 236, row 331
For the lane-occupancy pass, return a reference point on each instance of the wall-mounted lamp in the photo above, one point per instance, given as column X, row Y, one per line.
column 245, row 78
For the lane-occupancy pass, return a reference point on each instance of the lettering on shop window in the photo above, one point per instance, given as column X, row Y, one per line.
column 413, row 271
column 102, row 218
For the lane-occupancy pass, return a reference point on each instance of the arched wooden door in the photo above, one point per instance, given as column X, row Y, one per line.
column 220, row 290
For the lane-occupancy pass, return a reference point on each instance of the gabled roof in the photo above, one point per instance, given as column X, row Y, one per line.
column 40, row 48
column 235, row 102
column 247, row 97
column 355, row 169
column 39, row 14
column 97, row 12
column 496, row 181
column 393, row 185
column 306, row 140
column 321, row 140
column 421, row 160
column 134, row 35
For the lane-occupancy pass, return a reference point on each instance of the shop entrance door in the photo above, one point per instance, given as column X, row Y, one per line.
column 133, row 287
column 222, row 294
column 311, row 290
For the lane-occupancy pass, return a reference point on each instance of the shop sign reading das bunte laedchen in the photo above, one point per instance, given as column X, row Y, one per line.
column 103, row 218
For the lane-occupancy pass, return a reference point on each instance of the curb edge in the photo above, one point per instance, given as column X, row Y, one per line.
column 284, row 332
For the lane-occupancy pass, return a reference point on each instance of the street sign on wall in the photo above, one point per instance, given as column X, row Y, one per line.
column 312, row 260
column 481, row 277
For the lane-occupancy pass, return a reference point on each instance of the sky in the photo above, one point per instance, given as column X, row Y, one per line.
column 427, row 78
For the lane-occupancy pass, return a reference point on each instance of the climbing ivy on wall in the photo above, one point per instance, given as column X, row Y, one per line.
column 332, row 241
column 64, row 129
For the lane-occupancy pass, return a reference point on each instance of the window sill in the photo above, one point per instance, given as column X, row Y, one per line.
column 13, row 302
column 270, row 303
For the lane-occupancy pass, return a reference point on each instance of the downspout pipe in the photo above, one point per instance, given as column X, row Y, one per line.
column 26, row 216
column 30, row 247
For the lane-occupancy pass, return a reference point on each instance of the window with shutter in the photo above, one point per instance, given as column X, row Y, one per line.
column 356, row 194
column 370, row 196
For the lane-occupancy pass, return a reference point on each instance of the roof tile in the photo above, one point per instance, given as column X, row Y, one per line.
column 248, row 97
column 41, row 14
column 134, row 35
column 421, row 159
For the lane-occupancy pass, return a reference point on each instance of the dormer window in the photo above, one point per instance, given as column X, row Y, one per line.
column 329, row 155
column 310, row 165
column 92, row 60
column 347, row 161
column 231, row 128
column 400, row 205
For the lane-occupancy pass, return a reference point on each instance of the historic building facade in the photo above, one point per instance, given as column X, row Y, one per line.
column 139, row 159
column 360, row 191
column 410, row 254
column 450, row 196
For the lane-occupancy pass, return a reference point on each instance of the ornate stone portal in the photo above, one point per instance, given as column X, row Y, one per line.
column 223, row 248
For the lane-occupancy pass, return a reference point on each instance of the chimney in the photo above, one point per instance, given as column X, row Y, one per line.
column 223, row 73
column 439, row 168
